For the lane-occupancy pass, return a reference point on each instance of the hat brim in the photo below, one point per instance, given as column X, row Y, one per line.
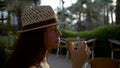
column 38, row 27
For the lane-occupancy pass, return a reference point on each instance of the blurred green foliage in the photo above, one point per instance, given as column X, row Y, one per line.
column 103, row 32
column 8, row 37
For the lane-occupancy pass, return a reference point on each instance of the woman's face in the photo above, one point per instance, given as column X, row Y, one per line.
column 52, row 37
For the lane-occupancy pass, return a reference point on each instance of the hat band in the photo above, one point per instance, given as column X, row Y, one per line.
column 40, row 24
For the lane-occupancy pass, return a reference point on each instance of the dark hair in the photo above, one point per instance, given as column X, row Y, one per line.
column 29, row 50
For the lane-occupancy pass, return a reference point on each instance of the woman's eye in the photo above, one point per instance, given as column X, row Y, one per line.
column 54, row 28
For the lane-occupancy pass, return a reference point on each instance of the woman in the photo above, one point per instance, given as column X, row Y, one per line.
column 38, row 36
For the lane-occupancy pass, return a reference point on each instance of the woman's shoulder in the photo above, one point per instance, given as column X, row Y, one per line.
column 35, row 66
column 32, row 67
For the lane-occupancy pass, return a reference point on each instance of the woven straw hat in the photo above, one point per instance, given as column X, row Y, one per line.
column 38, row 17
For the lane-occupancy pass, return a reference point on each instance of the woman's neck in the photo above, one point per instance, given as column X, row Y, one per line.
column 44, row 63
column 45, row 59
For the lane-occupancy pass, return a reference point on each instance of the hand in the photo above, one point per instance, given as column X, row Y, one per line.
column 79, row 55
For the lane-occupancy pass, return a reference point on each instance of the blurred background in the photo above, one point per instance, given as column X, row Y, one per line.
column 99, row 19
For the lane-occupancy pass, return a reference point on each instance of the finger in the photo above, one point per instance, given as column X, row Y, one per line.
column 88, row 51
column 83, row 45
column 71, row 48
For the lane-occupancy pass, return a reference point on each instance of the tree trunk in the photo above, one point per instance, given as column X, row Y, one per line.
column 107, row 23
column 118, row 12
column 112, row 22
column 9, row 18
column 106, row 15
column 19, row 12
column 89, row 20
column 79, row 22
column 37, row 2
